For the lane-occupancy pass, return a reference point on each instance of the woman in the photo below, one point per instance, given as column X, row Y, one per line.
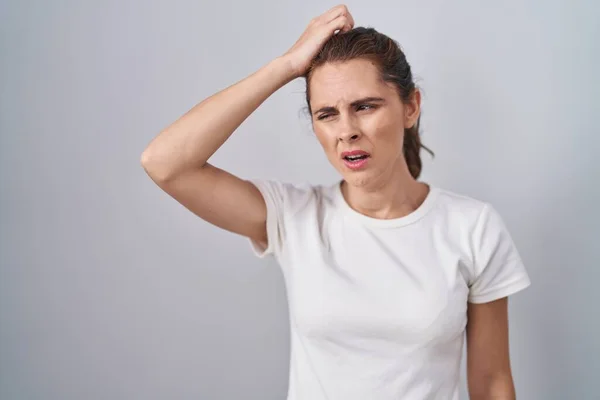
column 384, row 273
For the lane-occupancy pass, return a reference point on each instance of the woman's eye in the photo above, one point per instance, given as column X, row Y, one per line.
column 359, row 108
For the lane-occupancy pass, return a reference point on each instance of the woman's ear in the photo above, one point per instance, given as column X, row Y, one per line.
column 412, row 109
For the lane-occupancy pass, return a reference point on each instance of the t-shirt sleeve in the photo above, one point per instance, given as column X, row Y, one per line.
column 498, row 268
column 274, row 194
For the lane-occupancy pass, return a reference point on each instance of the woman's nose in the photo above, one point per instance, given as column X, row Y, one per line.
column 348, row 138
column 348, row 131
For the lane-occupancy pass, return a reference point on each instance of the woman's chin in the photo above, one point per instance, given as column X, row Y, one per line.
column 358, row 179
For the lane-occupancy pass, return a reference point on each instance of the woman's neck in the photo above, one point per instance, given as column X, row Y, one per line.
column 388, row 199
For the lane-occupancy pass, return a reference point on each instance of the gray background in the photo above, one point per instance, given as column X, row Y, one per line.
column 110, row 289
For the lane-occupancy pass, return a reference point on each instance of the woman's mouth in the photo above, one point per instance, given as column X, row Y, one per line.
column 355, row 162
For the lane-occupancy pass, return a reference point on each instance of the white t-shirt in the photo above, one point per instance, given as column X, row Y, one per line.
column 378, row 307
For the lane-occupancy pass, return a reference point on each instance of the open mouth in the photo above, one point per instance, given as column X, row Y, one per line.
column 356, row 158
column 356, row 162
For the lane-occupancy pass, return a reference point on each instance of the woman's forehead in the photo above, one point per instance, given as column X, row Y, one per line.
column 346, row 82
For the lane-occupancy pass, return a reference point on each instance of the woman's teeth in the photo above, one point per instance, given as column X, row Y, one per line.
column 354, row 158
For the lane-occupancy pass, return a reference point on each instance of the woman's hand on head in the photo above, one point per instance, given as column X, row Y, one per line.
column 319, row 30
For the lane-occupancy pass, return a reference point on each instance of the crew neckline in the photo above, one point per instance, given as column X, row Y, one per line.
column 414, row 216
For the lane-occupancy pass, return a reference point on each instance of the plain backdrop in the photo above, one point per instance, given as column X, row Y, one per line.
column 110, row 289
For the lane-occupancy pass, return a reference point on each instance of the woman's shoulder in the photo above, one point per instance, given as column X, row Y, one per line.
column 470, row 210
column 453, row 199
column 293, row 196
column 296, row 188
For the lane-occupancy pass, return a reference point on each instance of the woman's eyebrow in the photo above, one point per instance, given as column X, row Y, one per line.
column 369, row 99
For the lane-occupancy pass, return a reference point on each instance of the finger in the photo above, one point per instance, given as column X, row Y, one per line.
column 347, row 27
column 334, row 13
column 340, row 23
column 350, row 23
column 350, row 20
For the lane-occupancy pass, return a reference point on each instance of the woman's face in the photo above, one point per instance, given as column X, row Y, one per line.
column 353, row 109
